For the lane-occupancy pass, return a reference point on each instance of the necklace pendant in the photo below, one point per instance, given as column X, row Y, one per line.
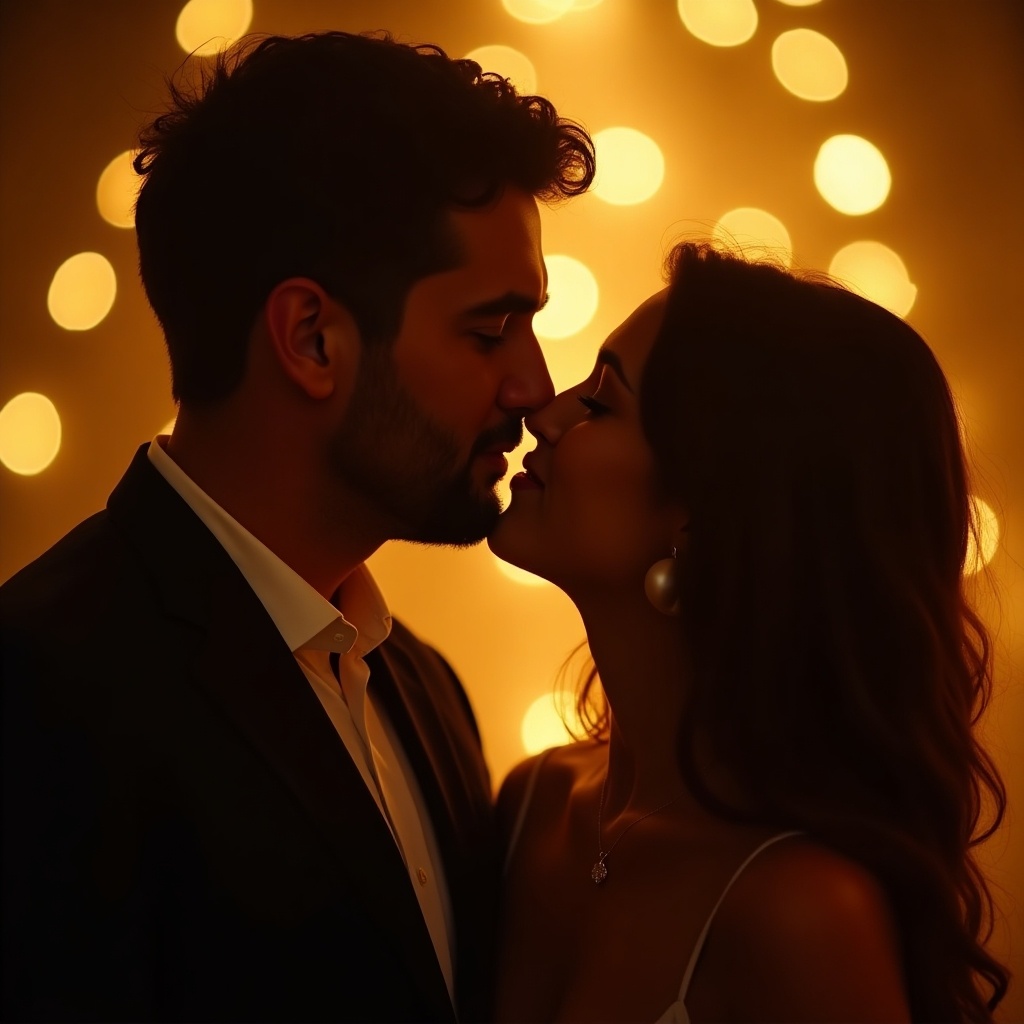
column 598, row 873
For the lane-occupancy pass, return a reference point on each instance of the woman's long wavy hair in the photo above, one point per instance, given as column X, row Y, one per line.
column 838, row 669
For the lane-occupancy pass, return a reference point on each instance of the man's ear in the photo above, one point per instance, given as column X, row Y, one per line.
column 313, row 337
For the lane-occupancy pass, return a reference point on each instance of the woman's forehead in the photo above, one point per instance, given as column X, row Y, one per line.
column 631, row 341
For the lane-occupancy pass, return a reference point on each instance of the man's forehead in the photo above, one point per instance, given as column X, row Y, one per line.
column 512, row 215
column 509, row 302
column 499, row 267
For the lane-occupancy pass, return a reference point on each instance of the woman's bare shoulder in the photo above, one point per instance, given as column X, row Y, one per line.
column 804, row 880
column 811, row 933
column 513, row 788
column 554, row 768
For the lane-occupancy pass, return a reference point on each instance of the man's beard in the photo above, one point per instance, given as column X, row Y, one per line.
column 407, row 466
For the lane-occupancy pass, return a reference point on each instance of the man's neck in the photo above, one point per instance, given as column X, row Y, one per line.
column 278, row 496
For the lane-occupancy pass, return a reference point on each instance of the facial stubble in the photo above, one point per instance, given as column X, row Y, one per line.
column 408, row 466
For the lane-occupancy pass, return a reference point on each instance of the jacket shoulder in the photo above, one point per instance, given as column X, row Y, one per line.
column 77, row 565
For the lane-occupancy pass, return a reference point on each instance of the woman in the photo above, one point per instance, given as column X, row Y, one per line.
column 758, row 503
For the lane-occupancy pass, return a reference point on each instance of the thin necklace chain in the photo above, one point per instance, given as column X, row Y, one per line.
column 599, row 872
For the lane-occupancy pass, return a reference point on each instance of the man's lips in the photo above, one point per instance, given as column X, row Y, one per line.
column 500, row 439
column 502, row 442
column 494, row 445
column 495, row 459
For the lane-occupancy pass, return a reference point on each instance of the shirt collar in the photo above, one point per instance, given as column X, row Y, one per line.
column 358, row 622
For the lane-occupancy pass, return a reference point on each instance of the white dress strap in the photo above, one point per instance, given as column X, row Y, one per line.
column 524, row 806
column 695, row 955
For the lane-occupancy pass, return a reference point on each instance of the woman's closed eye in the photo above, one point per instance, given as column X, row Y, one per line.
column 592, row 405
column 491, row 331
column 489, row 339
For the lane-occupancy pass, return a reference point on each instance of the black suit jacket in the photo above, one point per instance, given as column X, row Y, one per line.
column 184, row 835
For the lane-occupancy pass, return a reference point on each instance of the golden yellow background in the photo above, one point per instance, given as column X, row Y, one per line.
column 937, row 85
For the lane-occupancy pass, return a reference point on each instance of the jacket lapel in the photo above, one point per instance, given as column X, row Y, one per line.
column 456, row 789
column 242, row 662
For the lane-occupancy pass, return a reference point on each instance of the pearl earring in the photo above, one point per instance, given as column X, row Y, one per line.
column 662, row 587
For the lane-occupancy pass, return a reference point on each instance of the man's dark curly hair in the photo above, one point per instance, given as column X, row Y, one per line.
column 331, row 156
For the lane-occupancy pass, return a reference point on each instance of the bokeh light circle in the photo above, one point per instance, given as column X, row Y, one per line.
column 509, row 63
column 569, row 362
column 117, row 190
column 986, row 525
column 630, row 166
column 537, row 12
column 877, row 272
column 542, row 726
column 852, row 175
column 573, row 300
column 754, row 232
column 206, row 27
column 30, row 433
column 82, row 291
column 809, row 65
column 719, row 22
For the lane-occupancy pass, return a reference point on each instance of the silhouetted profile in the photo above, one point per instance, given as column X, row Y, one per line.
column 234, row 788
column 758, row 502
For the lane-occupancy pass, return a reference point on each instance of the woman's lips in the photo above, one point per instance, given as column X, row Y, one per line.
column 531, row 475
column 525, row 481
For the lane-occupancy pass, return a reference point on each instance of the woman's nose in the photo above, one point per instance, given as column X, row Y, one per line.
column 552, row 420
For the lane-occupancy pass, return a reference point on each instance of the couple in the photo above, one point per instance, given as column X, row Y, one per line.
column 234, row 788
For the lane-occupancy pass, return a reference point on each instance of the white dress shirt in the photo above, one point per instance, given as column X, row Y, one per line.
column 313, row 628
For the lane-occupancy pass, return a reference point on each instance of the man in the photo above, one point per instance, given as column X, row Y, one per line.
column 233, row 787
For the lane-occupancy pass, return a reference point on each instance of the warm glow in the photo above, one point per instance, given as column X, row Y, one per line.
column 573, row 298
column 517, row 575
column 987, row 526
column 537, row 12
column 82, row 291
column 799, row 3
column 515, row 464
column 29, row 433
column 719, row 22
column 851, row 174
column 569, row 362
column 876, row 271
column 509, row 63
column 747, row 228
column 809, row 65
column 630, row 167
column 208, row 26
column 168, row 427
column 543, row 727
column 116, row 191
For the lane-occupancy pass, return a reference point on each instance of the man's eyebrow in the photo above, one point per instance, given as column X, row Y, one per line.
column 609, row 358
column 510, row 302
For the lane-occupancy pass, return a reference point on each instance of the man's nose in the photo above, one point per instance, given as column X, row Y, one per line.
column 527, row 384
